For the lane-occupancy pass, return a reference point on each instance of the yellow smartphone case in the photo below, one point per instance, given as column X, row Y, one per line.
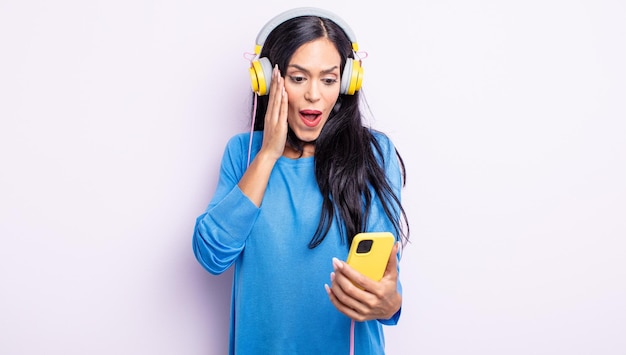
column 373, row 262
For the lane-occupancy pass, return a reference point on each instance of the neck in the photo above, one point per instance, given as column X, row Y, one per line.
column 308, row 150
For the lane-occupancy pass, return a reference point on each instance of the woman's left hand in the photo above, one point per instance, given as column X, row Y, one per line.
column 370, row 299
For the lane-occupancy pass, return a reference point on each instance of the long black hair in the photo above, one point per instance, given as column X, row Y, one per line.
column 347, row 155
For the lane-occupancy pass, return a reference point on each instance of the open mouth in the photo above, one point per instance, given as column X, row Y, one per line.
column 311, row 117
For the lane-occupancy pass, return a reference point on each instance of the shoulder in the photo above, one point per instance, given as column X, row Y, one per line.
column 388, row 156
column 384, row 143
column 240, row 142
column 237, row 152
column 236, row 148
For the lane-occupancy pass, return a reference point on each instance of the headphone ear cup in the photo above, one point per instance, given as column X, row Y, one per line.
column 352, row 77
column 261, row 76
column 357, row 72
column 345, row 78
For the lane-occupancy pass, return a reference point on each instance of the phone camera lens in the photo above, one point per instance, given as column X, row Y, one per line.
column 364, row 246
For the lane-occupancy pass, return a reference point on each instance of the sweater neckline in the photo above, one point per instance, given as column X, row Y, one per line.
column 298, row 161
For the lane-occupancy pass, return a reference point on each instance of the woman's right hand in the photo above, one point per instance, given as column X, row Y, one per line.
column 254, row 181
column 275, row 131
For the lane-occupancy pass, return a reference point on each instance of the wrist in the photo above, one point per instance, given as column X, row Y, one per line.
column 397, row 304
column 268, row 155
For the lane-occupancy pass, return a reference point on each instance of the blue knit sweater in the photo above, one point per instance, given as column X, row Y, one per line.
column 279, row 304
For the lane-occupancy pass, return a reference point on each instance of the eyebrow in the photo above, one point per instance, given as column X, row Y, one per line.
column 326, row 71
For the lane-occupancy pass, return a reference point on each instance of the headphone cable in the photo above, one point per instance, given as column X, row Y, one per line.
column 352, row 337
column 252, row 128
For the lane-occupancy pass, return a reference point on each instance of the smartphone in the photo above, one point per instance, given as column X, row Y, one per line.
column 370, row 252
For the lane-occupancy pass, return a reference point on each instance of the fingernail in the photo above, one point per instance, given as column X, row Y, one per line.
column 332, row 276
column 336, row 263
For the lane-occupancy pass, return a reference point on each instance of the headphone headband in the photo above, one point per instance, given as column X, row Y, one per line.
column 261, row 68
column 303, row 11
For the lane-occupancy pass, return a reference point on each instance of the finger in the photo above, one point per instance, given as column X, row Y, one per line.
column 392, row 263
column 349, row 312
column 353, row 277
column 344, row 303
column 348, row 290
column 275, row 98
column 279, row 100
column 284, row 103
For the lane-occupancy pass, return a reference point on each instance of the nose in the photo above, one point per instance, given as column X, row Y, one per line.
column 313, row 93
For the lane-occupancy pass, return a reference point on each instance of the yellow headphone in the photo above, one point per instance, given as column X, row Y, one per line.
column 261, row 68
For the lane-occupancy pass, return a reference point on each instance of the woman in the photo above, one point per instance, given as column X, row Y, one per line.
column 293, row 193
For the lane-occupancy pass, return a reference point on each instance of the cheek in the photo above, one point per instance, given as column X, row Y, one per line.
column 292, row 113
column 332, row 94
column 291, row 88
column 291, row 107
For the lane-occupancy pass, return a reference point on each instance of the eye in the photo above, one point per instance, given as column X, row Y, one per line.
column 297, row 79
column 329, row 81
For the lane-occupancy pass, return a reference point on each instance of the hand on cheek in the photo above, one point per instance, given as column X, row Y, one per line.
column 275, row 131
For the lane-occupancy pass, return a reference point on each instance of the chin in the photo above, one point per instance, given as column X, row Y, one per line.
column 308, row 138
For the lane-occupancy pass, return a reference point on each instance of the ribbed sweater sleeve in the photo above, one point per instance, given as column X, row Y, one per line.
column 220, row 233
